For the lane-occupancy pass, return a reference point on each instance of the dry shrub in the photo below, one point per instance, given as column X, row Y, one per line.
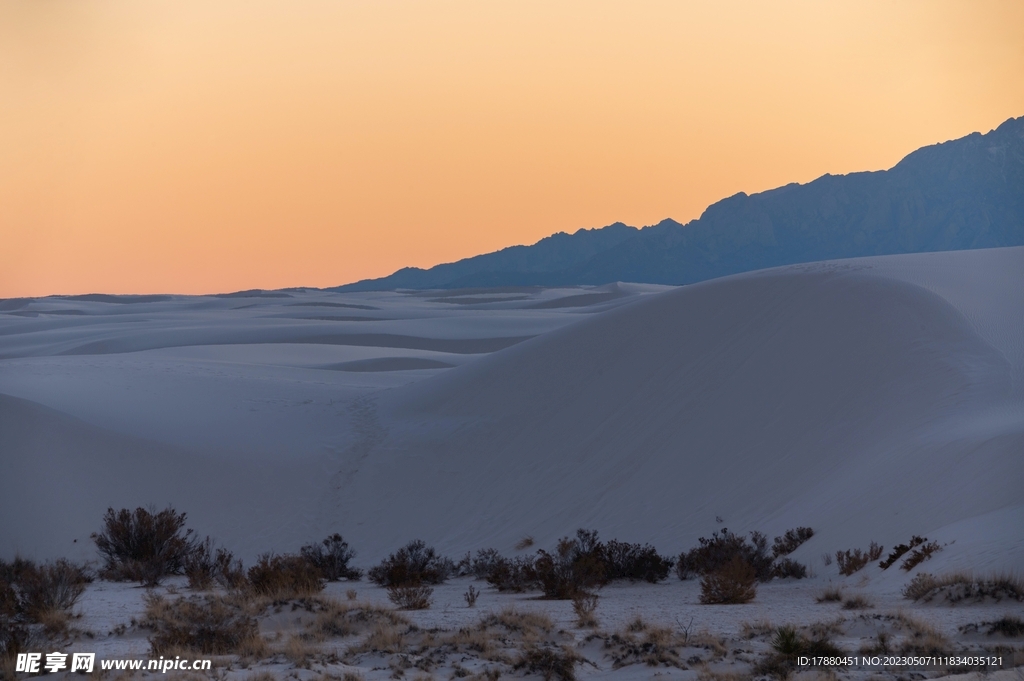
column 919, row 555
column 204, row 567
column 714, row 553
column 749, row 630
column 549, row 661
column 635, row 562
column 851, row 561
column 787, row 567
column 210, row 625
column 900, row 549
column 515, row 621
column 383, row 638
column 484, row 563
column 334, row 619
column 51, row 587
column 524, row 543
column 1007, row 625
column 656, row 646
column 331, row 557
column 514, row 575
column 959, row 586
column 791, row 541
column 831, row 594
column 412, row 565
column 734, row 582
column 584, row 605
column 922, row 638
column 577, row 565
column 351, row 594
column 471, row 595
column 410, row 597
column 299, row 651
column 143, row 546
column 856, row 603
column 284, row 577
column 788, row 644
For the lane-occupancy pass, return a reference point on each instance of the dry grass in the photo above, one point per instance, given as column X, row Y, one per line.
column 750, row 630
column 334, row 619
column 299, row 651
column 210, row 625
column 831, row 594
column 552, row 662
column 584, row 605
column 962, row 586
column 857, row 603
column 644, row 644
column 515, row 621
column 920, row 637
column 524, row 543
column 410, row 597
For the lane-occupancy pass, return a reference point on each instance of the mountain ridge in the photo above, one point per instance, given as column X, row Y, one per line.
column 961, row 194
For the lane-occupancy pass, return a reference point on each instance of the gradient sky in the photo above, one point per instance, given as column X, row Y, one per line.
column 214, row 145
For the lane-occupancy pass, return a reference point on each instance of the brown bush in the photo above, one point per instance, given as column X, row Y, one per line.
column 284, row 577
column 204, row 567
column 331, row 557
column 210, row 625
column 900, row 549
column 852, row 561
column 412, row 565
column 143, row 546
column 584, row 605
column 549, row 662
column 734, row 582
column 791, row 541
column 919, row 555
column 410, row 597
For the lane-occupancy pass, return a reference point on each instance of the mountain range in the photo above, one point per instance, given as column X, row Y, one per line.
column 963, row 194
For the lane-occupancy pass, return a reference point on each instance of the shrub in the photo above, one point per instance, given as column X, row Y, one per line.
column 714, row 553
column 576, row 565
column 852, row 561
column 331, row 557
column 471, row 595
column 584, row 605
column 410, row 597
column 51, row 587
column 790, row 541
column 900, row 549
column 958, row 587
column 634, row 562
column 787, row 567
column 788, row 644
column 524, row 543
column 284, row 577
column 832, row 594
column 513, row 575
column 551, row 663
column 1007, row 625
column 412, row 565
column 204, row 566
column 210, row 625
column 919, row 555
column 856, row 603
column 734, row 582
column 485, row 562
column 143, row 546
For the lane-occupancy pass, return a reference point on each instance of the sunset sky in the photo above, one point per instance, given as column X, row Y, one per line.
column 195, row 146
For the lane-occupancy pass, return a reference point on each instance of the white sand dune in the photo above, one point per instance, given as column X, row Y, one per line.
column 871, row 399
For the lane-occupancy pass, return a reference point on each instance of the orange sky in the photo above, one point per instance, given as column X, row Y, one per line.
column 214, row 145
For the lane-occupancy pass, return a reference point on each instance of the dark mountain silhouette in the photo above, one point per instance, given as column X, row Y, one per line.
column 963, row 194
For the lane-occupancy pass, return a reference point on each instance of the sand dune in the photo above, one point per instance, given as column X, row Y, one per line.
column 871, row 399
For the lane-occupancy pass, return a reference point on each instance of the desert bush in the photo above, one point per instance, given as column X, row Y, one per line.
column 142, row 545
column 958, row 587
column 584, row 605
column 577, row 565
column 485, row 562
column 204, row 566
column 734, row 582
column 209, row 625
column 788, row 644
column 712, row 554
column 550, row 662
column 410, row 597
column 790, row 541
column 513, row 575
column 856, row 603
column 331, row 557
column 49, row 587
column 412, row 565
column 831, row 594
column 284, row 577
column 1007, row 625
column 919, row 555
column 851, row 561
column 471, row 595
column 787, row 567
column 524, row 543
column 900, row 549
column 635, row 562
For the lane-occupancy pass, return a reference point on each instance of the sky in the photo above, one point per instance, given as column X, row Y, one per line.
column 198, row 146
